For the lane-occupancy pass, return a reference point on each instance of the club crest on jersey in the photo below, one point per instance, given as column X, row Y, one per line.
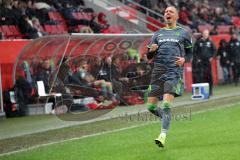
column 177, row 33
column 208, row 44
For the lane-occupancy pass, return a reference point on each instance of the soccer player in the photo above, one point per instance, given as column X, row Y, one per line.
column 170, row 48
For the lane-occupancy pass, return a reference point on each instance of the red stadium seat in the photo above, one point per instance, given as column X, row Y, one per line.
column 114, row 29
column 56, row 16
column 6, row 31
column 15, row 31
column 151, row 21
column 83, row 15
column 1, row 31
column 236, row 21
column 201, row 28
column 62, row 29
column 48, row 28
column 55, row 29
column 86, row 16
column 75, row 15
column 11, row 31
column 223, row 29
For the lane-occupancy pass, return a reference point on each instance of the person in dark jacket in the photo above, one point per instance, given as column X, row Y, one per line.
column 234, row 53
column 203, row 52
column 44, row 73
column 26, row 27
column 224, row 57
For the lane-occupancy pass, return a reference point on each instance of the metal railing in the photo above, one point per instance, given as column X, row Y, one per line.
column 140, row 16
column 148, row 11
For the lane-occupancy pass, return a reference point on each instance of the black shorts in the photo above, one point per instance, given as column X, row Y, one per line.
column 165, row 81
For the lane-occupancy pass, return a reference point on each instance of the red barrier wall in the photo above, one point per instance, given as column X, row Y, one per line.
column 188, row 76
column 9, row 51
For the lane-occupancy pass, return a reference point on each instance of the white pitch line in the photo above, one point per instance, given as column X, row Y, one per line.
column 102, row 133
column 76, row 138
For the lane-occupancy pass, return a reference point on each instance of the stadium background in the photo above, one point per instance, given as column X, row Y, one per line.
column 123, row 17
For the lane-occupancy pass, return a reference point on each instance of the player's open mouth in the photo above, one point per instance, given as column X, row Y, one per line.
column 168, row 17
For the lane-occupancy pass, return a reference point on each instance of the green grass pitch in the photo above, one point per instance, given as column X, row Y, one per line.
column 211, row 135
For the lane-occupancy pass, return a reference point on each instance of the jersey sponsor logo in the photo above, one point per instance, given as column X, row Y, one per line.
column 168, row 40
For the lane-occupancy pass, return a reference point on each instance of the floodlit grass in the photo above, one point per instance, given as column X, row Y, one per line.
column 212, row 135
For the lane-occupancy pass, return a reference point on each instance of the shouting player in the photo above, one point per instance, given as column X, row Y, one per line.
column 170, row 48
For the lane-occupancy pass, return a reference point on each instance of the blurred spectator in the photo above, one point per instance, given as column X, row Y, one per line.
column 202, row 12
column 214, row 30
column 96, row 66
column 203, row 52
column 26, row 27
column 105, row 71
column 86, row 29
column 184, row 16
column 42, row 5
column 38, row 27
column 1, row 35
column 7, row 13
column 224, row 57
column 85, row 76
column 12, row 11
column 44, row 73
column 133, row 55
column 17, row 12
column 67, row 12
column 95, row 26
column 66, row 75
column 234, row 47
column 2, row 15
column 119, row 82
column 145, row 3
column 30, row 11
column 234, row 29
column 102, row 20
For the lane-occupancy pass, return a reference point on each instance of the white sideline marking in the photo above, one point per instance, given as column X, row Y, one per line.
column 75, row 138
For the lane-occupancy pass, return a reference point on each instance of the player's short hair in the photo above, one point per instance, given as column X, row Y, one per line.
column 172, row 7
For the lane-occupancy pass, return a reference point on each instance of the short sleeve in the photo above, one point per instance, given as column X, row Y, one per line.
column 153, row 40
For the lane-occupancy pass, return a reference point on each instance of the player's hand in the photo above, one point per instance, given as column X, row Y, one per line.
column 180, row 61
column 153, row 47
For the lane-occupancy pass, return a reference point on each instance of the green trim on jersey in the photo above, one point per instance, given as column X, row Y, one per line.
column 150, row 88
column 189, row 46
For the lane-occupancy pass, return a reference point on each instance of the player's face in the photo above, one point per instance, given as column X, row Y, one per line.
column 46, row 64
column 170, row 15
column 205, row 34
